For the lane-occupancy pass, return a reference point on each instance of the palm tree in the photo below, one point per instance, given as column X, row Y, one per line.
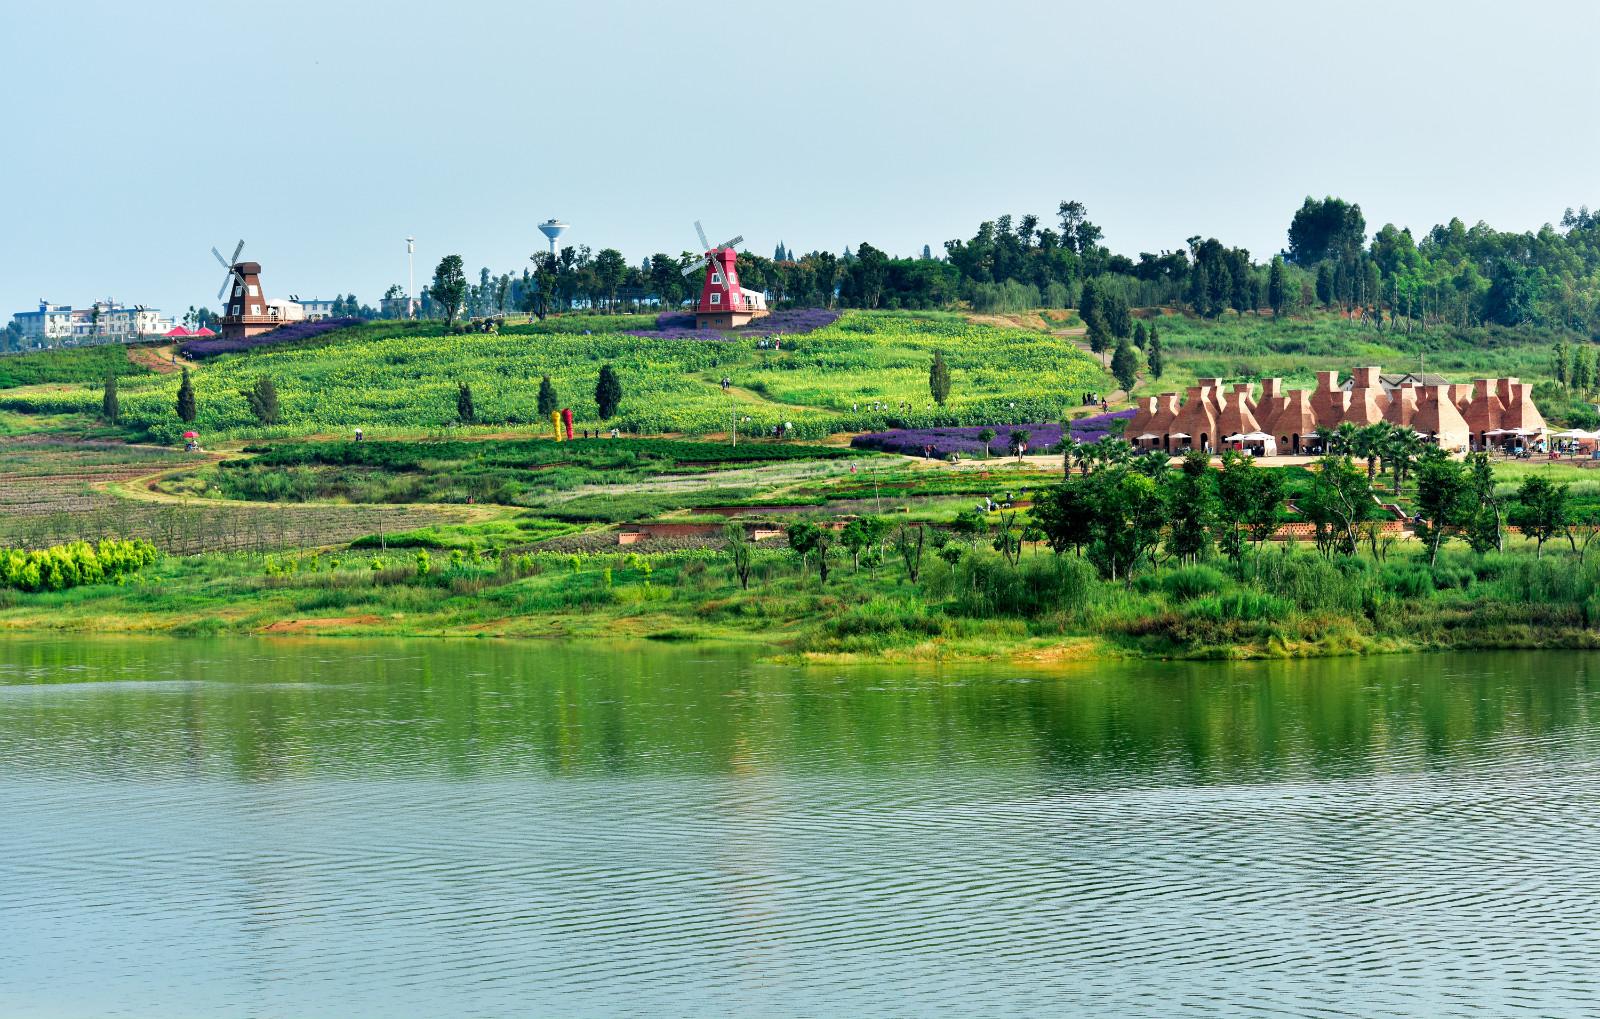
column 1371, row 443
column 1344, row 438
column 1401, row 452
column 1326, row 438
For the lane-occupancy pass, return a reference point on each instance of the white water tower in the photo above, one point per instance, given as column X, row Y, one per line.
column 553, row 228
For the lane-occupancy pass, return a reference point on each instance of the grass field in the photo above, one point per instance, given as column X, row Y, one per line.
column 394, row 377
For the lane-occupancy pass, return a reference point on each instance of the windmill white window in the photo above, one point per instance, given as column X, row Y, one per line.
column 238, row 291
column 716, row 298
column 255, row 309
column 716, row 277
column 255, row 291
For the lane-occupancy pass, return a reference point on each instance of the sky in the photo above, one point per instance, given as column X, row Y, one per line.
column 134, row 137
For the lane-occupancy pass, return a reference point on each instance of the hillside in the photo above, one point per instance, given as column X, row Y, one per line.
column 398, row 377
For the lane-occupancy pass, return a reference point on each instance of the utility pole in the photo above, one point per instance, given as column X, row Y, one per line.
column 411, row 276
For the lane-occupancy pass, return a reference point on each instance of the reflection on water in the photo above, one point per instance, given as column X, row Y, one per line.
column 250, row 828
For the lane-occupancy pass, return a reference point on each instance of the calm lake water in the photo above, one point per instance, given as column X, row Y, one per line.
column 386, row 829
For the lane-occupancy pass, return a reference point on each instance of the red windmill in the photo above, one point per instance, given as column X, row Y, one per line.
column 723, row 303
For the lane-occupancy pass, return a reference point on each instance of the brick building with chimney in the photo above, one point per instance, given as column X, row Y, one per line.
column 1211, row 416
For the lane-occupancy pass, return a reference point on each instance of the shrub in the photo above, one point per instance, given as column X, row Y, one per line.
column 62, row 566
column 1193, row 582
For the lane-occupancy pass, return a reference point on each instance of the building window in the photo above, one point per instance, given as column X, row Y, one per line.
column 255, row 291
column 236, row 309
column 255, row 309
column 716, row 298
column 238, row 291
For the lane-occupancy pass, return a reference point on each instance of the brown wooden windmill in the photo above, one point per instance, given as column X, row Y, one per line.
column 244, row 309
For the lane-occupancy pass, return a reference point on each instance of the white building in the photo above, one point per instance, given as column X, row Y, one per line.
column 57, row 325
column 316, row 308
column 286, row 311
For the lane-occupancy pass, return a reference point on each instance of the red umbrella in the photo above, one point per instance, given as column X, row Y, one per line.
column 191, row 435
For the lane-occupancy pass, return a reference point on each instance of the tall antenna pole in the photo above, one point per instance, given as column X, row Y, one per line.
column 411, row 276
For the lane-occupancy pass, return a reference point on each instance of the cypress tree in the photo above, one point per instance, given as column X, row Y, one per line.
column 939, row 378
column 1125, row 366
column 186, row 405
column 1153, row 359
column 548, row 401
column 1277, row 286
column 608, row 393
column 1560, row 363
column 465, row 411
column 110, row 410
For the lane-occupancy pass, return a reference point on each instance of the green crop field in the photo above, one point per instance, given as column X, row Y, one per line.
column 401, row 378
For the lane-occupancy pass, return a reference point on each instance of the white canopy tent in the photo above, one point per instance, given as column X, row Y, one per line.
column 1269, row 445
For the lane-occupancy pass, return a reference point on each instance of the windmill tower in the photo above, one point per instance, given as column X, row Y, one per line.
column 723, row 303
column 244, row 309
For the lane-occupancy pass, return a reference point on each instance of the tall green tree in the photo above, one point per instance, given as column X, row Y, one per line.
column 466, row 413
column 939, row 378
column 1277, row 286
column 449, row 288
column 1153, row 359
column 1125, row 366
column 1543, row 510
column 186, row 405
column 549, row 402
column 608, row 393
column 1190, row 508
column 110, row 408
column 739, row 550
column 1486, row 531
column 1444, row 500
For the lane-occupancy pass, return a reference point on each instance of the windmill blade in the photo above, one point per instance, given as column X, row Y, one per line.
column 224, row 262
column 732, row 243
column 235, row 259
column 696, row 266
column 705, row 245
column 226, row 283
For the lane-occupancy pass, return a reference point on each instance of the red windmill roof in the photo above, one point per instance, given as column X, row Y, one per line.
column 177, row 331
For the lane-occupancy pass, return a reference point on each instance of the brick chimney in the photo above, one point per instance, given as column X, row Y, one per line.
column 1366, row 378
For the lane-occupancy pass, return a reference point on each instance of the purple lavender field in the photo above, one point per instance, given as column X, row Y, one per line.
column 793, row 322
column 1042, row 436
column 282, row 334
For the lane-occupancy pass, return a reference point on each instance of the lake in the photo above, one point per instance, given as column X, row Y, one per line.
column 259, row 828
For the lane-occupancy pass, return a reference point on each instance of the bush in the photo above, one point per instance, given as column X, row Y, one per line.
column 62, row 566
column 1193, row 582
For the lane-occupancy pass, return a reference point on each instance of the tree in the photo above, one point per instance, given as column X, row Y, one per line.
column 466, row 413
column 1064, row 514
column 549, row 402
column 1190, row 508
column 1486, row 531
column 939, row 378
column 187, row 410
column 1325, row 229
column 263, row 400
column 1277, row 286
column 609, row 269
column 1125, row 365
column 1238, row 491
column 1543, row 510
column 449, row 287
column 110, row 409
column 910, row 548
column 986, row 436
column 608, row 393
column 1152, row 358
column 739, row 550
column 1338, row 503
column 803, row 538
column 1561, row 363
column 1127, row 525
column 1445, row 500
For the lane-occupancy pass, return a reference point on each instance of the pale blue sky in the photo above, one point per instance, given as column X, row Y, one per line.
column 135, row 136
